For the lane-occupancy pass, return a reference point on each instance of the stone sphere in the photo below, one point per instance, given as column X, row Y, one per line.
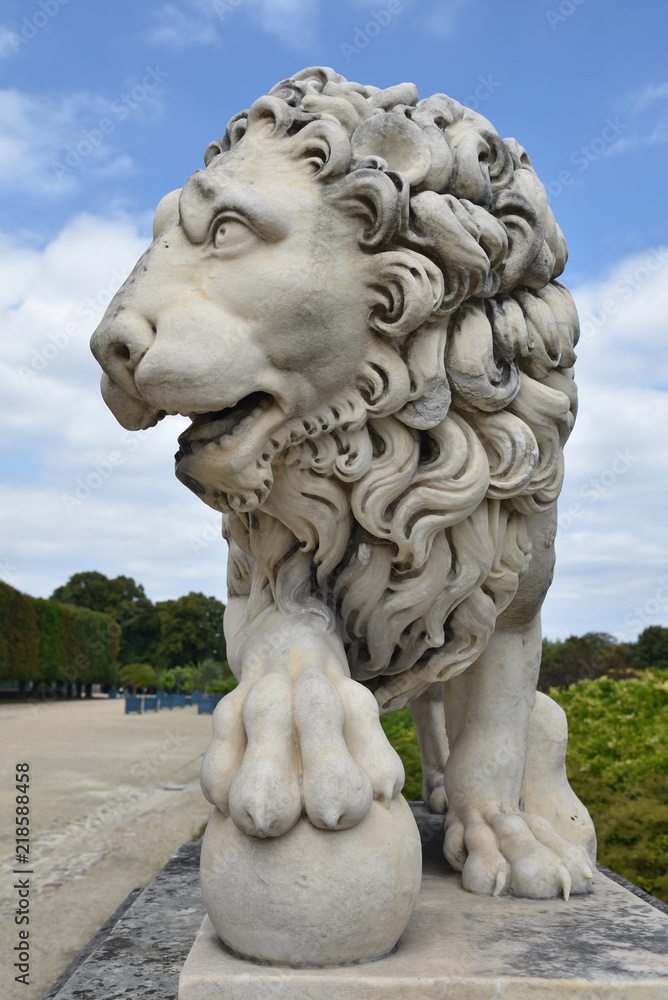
column 313, row 897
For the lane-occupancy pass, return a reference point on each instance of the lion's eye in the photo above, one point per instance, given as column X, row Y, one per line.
column 231, row 233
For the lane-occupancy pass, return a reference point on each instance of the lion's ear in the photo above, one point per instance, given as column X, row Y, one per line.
column 407, row 288
column 166, row 212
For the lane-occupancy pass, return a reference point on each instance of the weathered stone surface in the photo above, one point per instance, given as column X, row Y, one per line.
column 92, row 946
column 143, row 954
column 608, row 945
column 356, row 303
column 611, row 944
column 336, row 881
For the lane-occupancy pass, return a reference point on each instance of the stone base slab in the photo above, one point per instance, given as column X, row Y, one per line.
column 458, row 946
column 585, row 948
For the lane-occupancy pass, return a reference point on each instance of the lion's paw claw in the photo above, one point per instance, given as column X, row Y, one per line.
column 337, row 792
column 500, row 851
column 283, row 746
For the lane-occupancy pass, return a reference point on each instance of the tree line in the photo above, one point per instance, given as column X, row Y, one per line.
column 598, row 654
column 93, row 629
column 96, row 630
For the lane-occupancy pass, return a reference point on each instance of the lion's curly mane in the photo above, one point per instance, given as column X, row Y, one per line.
column 400, row 512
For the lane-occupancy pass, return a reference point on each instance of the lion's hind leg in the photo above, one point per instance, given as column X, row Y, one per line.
column 497, row 845
column 429, row 719
column 545, row 788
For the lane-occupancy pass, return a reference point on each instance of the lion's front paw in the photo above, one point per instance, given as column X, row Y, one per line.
column 284, row 745
column 499, row 851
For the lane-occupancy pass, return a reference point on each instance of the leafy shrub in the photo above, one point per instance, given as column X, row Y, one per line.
column 617, row 764
column 400, row 731
column 222, row 686
column 138, row 675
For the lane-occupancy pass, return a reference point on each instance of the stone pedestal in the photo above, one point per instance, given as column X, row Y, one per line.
column 610, row 944
column 463, row 947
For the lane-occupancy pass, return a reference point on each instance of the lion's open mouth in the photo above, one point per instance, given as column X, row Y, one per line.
column 220, row 430
column 225, row 456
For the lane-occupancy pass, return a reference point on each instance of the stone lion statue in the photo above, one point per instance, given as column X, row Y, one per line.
column 357, row 304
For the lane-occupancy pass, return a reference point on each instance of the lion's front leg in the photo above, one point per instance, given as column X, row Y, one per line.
column 298, row 734
column 496, row 845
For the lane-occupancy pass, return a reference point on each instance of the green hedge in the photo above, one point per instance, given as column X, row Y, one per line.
column 43, row 640
column 19, row 637
column 50, row 624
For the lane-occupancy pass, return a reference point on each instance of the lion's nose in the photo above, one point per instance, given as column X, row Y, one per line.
column 119, row 343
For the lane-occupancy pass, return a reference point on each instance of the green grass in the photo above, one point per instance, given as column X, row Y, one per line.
column 200, row 832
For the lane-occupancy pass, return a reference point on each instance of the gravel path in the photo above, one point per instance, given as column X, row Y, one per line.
column 112, row 796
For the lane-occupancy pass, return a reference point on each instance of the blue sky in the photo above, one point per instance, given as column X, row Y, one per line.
column 106, row 107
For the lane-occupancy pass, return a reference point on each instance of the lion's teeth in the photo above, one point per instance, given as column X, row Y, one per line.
column 211, row 446
column 242, row 425
column 226, row 441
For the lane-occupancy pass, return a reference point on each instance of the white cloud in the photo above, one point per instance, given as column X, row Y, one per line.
column 644, row 131
column 635, row 101
column 658, row 135
column 34, row 128
column 85, row 494
column 291, row 21
column 177, row 28
column 203, row 22
column 46, row 138
column 443, row 17
column 612, row 546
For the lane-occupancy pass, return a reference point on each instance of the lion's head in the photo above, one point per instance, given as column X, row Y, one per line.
column 355, row 303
